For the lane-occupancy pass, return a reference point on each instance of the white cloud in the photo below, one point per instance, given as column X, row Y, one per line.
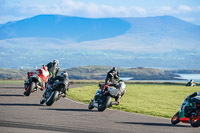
column 140, row 10
column 22, row 9
column 166, row 8
column 184, row 8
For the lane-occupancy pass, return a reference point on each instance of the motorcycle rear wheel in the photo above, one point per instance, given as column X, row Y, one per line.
column 175, row 119
column 195, row 121
column 30, row 87
column 105, row 105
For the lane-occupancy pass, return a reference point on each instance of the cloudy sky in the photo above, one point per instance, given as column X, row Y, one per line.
column 188, row 10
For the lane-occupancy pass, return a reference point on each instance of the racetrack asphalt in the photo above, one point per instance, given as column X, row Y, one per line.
column 21, row 114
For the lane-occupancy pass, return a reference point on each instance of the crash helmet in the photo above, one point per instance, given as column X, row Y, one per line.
column 65, row 74
column 56, row 61
column 123, row 85
column 44, row 67
column 114, row 68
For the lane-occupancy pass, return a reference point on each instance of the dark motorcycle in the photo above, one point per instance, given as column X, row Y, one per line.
column 32, row 83
column 189, row 112
column 53, row 92
column 104, row 95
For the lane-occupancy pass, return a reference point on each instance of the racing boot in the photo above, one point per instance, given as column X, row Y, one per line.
column 42, row 100
column 63, row 95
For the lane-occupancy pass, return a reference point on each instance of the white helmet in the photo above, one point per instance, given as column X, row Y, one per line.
column 56, row 61
column 122, row 85
column 65, row 74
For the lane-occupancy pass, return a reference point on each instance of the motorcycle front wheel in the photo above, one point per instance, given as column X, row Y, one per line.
column 106, row 104
column 175, row 119
column 90, row 106
column 52, row 98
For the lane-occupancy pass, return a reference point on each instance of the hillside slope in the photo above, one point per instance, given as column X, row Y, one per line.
column 98, row 73
column 161, row 42
column 75, row 29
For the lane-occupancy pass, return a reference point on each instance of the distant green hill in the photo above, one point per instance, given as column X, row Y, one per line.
column 98, row 73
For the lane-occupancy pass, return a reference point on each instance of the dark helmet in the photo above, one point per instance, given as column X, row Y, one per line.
column 65, row 74
column 44, row 67
column 114, row 68
column 56, row 61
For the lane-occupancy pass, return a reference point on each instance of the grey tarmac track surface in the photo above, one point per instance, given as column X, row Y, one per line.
column 20, row 114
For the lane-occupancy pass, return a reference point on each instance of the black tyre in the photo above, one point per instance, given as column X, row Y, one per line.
column 29, row 88
column 195, row 121
column 175, row 119
column 90, row 106
column 106, row 104
column 51, row 99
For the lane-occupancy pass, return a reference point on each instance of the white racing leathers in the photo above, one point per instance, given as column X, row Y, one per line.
column 113, row 92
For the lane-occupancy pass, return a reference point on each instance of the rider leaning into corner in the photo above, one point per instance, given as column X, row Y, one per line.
column 63, row 78
column 112, row 74
column 53, row 68
column 118, row 85
column 43, row 76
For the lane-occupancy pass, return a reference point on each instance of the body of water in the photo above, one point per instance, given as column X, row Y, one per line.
column 188, row 77
column 184, row 77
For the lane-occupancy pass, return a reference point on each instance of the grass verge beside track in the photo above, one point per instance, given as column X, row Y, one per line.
column 149, row 99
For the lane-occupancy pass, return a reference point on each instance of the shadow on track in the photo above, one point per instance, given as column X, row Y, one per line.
column 19, row 104
column 42, row 127
column 11, row 95
column 153, row 124
column 79, row 110
column 12, row 87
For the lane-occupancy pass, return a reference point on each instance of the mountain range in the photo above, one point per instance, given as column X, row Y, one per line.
column 158, row 42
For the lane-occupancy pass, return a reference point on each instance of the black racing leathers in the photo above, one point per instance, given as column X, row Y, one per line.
column 53, row 69
column 112, row 74
column 63, row 80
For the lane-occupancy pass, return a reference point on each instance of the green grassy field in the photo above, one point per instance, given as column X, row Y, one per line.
column 149, row 99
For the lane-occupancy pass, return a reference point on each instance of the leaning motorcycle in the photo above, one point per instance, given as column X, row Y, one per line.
column 32, row 83
column 188, row 113
column 53, row 92
column 104, row 95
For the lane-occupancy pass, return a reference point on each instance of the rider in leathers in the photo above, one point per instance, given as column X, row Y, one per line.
column 112, row 74
column 117, row 86
column 63, row 78
column 42, row 77
column 53, row 68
